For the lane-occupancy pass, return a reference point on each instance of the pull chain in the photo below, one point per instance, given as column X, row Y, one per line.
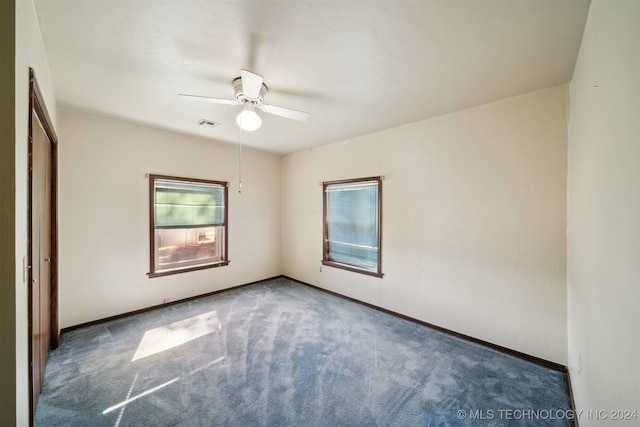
column 240, row 159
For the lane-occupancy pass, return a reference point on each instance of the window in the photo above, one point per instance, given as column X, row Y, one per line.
column 188, row 220
column 352, row 225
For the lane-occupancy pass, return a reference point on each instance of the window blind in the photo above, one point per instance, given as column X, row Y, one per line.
column 188, row 205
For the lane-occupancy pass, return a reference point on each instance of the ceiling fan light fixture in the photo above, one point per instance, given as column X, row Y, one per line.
column 248, row 119
column 250, row 91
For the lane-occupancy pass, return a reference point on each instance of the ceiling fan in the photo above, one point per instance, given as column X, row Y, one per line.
column 250, row 91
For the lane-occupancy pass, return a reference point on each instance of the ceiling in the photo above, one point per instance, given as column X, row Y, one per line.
column 356, row 66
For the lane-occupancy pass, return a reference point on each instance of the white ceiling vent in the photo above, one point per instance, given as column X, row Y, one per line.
column 209, row 123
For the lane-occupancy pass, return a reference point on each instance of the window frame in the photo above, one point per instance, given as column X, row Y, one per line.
column 326, row 256
column 153, row 270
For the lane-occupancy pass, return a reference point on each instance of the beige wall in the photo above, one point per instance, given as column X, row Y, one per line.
column 474, row 207
column 604, row 213
column 104, row 215
column 29, row 53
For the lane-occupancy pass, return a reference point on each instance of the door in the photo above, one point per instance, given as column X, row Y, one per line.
column 42, row 235
column 41, row 255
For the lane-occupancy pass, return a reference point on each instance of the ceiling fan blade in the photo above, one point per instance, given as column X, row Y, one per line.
column 251, row 83
column 300, row 116
column 210, row 99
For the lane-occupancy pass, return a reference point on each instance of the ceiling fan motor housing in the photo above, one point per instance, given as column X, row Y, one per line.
column 242, row 98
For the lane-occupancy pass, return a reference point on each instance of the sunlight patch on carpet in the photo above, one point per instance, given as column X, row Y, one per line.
column 138, row 396
column 177, row 333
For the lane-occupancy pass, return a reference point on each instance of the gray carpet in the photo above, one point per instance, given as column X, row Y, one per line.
column 279, row 353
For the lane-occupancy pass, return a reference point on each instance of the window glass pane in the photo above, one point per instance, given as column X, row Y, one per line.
column 184, row 247
column 352, row 223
